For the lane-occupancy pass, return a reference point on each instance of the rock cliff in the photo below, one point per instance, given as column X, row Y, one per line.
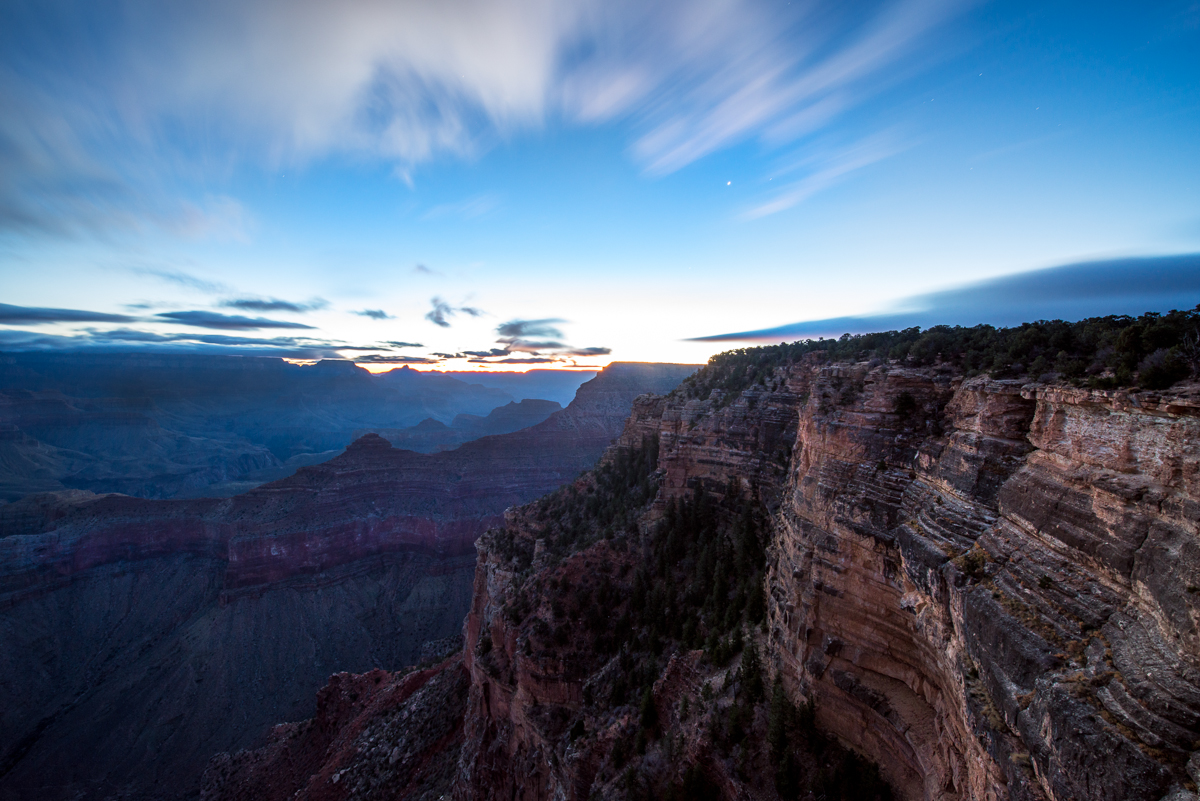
column 844, row 581
column 986, row 588
column 143, row 636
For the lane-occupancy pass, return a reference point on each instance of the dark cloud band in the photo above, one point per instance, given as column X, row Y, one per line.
column 32, row 315
column 1070, row 292
column 274, row 305
column 520, row 348
column 233, row 322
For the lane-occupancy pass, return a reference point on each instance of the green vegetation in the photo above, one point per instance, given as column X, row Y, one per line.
column 704, row 576
column 1152, row 352
column 692, row 580
column 793, row 742
column 700, row 578
column 607, row 502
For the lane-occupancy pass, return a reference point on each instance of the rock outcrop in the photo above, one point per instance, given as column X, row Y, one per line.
column 374, row 736
column 143, row 636
column 986, row 588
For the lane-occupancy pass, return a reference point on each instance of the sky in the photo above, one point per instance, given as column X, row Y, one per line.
column 500, row 184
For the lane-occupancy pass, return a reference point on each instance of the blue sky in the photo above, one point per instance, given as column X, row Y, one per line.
column 562, row 179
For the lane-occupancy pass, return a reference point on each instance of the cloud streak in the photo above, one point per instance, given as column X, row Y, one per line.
column 32, row 315
column 823, row 170
column 467, row 210
column 531, row 338
column 1070, row 292
column 232, row 322
column 183, row 279
column 274, row 305
column 441, row 312
column 126, row 339
column 91, row 138
column 376, row 358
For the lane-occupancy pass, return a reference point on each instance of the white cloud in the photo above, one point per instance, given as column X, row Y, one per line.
column 217, row 217
column 827, row 168
column 121, row 115
column 467, row 209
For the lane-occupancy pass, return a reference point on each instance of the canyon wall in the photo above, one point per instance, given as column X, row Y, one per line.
column 143, row 636
column 986, row 588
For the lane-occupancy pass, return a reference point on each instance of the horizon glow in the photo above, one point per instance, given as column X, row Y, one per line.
column 394, row 181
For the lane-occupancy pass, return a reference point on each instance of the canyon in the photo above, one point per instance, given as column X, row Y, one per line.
column 987, row 588
column 183, row 426
column 142, row 636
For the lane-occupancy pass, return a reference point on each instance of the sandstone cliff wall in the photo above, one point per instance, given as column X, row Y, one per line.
column 987, row 588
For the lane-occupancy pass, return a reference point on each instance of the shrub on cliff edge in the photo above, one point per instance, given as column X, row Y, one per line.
column 1152, row 351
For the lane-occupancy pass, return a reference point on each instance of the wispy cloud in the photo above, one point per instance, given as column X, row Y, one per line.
column 467, row 209
column 374, row 314
column 135, row 340
column 183, row 279
column 823, row 170
column 217, row 217
column 377, row 358
column 532, row 342
column 78, row 161
column 274, row 305
column 441, row 312
column 531, row 328
column 95, row 141
column 702, row 76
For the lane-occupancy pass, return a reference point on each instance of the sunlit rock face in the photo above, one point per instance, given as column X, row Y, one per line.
column 987, row 588
column 975, row 594
column 142, row 636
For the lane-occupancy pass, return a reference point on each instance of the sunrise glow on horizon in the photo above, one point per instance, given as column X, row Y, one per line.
column 514, row 185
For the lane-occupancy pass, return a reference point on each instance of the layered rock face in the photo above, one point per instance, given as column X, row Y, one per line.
column 143, row 636
column 988, row 589
column 974, row 591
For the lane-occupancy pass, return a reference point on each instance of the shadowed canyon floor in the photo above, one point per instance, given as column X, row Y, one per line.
column 143, row 636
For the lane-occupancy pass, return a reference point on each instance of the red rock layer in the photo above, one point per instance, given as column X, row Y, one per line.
column 375, row 735
column 373, row 499
column 989, row 589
